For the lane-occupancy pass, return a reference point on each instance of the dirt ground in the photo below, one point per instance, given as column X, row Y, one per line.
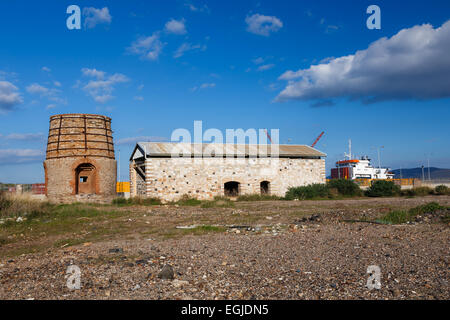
column 254, row 250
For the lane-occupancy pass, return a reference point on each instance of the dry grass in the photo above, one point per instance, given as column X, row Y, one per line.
column 20, row 205
column 53, row 226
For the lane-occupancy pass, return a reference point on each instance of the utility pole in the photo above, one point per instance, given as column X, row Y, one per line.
column 423, row 174
column 429, row 176
column 350, row 149
column 118, row 179
column 379, row 159
column 349, row 155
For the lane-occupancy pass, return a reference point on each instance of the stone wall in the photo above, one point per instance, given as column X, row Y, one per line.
column 171, row 178
column 137, row 184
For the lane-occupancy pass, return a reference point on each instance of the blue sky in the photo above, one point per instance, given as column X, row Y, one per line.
column 155, row 66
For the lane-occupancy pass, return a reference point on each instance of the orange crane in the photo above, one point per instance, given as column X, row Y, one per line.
column 317, row 140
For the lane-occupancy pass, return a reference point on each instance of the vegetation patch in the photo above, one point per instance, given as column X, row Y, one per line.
column 15, row 206
column 345, row 187
column 404, row 216
column 312, row 191
column 258, row 197
column 136, row 201
column 442, row 190
column 333, row 189
column 418, row 191
column 218, row 202
column 188, row 201
column 383, row 188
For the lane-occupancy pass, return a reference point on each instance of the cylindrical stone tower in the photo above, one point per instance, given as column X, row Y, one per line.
column 80, row 163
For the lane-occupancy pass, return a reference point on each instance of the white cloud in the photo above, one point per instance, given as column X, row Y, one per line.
column 207, row 85
column 148, row 48
column 266, row 67
column 51, row 94
column 57, row 83
column 9, row 96
column 203, row 86
column 102, row 87
column 7, row 75
column 36, row 88
column 46, row 69
column 24, row 136
column 93, row 73
column 175, row 26
column 263, row 25
column 20, row 155
column 50, row 106
column 134, row 140
column 194, row 8
column 185, row 47
column 272, row 87
column 258, row 60
column 139, row 98
column 93, row 16
column 413, row 64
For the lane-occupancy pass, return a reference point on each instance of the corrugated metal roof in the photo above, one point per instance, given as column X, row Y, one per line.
column 166, row 149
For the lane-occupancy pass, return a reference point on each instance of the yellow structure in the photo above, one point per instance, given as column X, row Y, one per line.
column 400, row 182
column 123, row 187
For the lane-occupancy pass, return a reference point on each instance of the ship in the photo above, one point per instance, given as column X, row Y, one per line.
column 352, row 169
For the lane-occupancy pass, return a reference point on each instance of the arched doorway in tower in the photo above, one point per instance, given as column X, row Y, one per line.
column 231, row 188
column 85, row 176
column 265, row 187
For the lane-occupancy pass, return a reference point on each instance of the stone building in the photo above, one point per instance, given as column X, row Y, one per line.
column 170, row 170
column 80, row 163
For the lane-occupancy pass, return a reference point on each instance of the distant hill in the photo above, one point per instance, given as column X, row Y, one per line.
column 435, row 173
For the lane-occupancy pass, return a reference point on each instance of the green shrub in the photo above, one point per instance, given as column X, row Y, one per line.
column 345, row 187
column 402, row 216
column 383, row 188
column 396, row 217
column 311, row 191
column 441, row 190
column 430, row 207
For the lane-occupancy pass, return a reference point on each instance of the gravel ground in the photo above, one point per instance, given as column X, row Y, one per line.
column 318, row 257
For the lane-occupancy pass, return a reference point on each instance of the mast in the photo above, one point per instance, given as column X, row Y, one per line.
column 349, row 154
column 350, row 148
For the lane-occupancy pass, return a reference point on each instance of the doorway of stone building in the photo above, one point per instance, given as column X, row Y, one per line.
column 265, row 187
column 85, row 176
column 232, row 188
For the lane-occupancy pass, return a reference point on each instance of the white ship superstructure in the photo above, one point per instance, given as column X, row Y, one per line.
column 359, row 169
